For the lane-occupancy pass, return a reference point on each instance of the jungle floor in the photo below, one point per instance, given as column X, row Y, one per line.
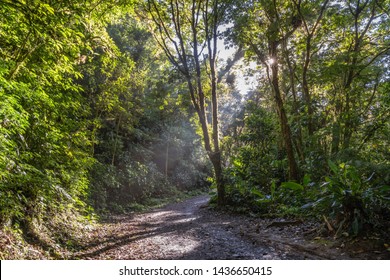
column 192, row 230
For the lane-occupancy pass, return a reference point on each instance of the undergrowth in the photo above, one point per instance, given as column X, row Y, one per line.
column 350, row 201
column 51, row 237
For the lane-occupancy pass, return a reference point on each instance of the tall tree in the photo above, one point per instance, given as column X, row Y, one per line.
column 310, row 25
column 363, row 44
column 187, row 31
column 264, row 28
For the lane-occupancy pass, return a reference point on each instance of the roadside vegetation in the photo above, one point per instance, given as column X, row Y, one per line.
column 110, row 107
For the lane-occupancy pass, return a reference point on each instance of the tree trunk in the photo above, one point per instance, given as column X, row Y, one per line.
column 285, row 127
column 167, row 159
column 297, row 140
column 219, row 179
column 212, row 41
column 202, row 17
column 305, row 88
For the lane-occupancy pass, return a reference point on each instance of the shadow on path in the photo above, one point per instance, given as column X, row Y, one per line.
column 184, row 231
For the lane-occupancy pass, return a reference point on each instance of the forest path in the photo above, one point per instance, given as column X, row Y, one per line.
column 188, row 230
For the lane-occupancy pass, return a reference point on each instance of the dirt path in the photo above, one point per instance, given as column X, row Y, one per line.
column 188, row 230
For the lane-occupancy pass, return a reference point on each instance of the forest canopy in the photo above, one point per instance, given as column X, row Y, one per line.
column 274, row 107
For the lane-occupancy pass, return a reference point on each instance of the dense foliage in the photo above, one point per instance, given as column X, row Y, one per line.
column 143, row 126
column 90, row 120
column 107, row 105
column 45, row 139
column 325, row 81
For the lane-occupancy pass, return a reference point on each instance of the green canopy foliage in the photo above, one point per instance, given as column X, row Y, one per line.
column 106, row 104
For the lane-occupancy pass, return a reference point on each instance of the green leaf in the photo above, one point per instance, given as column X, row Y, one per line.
column 306, row 180
column 333, row 166
column 385, row 189
column 263, row 200
column 292, row 186
column 257, row 192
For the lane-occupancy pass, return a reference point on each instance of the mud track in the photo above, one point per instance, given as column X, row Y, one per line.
column 189, row 230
